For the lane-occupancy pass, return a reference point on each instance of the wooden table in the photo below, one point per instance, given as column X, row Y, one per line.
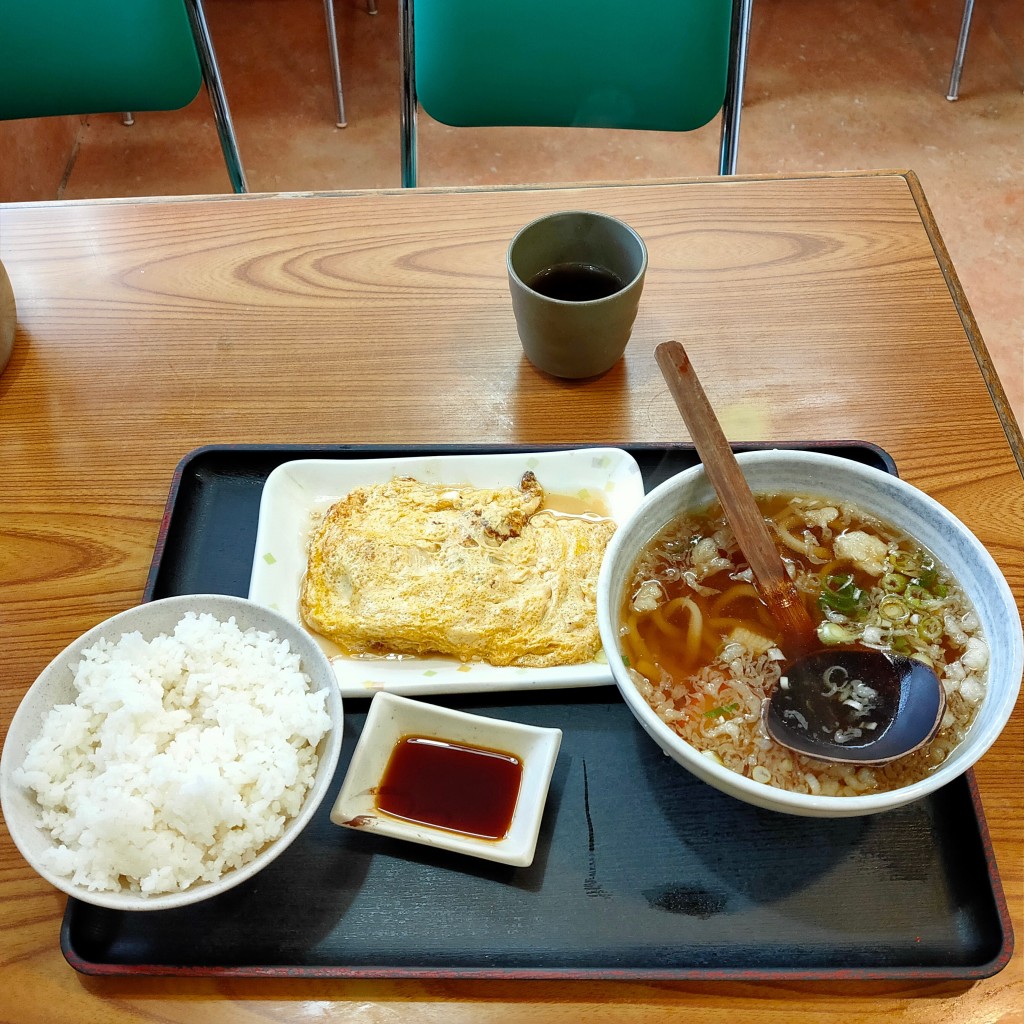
column 813, row 308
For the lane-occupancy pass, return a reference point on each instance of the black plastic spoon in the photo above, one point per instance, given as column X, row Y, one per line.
column 851, row 705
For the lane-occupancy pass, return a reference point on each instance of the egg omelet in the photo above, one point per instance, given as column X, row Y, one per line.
column 477, row 574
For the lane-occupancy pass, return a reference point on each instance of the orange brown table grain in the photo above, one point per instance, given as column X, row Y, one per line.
column 814, row 308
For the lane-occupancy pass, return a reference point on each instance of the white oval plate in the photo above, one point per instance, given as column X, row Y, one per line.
column 295, row 490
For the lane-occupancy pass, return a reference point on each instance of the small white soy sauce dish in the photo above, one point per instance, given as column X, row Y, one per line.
column 510, row 765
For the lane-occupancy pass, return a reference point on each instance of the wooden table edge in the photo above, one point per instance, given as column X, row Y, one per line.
column 1011, row 428
column 988, row 371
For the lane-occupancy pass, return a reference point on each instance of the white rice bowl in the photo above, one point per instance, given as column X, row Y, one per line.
column 171, row 752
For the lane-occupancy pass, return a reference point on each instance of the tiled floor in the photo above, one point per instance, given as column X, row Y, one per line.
column 832, row 85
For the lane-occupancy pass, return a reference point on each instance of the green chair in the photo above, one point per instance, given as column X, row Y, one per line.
column 104, row 56
column 662, row 65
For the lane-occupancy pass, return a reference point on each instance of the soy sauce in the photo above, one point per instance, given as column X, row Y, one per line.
column 458, row 788
column 576, row 282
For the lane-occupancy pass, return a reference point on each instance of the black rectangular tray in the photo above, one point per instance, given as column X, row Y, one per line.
column 642, row 872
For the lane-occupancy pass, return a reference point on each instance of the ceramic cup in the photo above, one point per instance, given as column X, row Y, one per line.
column 575, row 279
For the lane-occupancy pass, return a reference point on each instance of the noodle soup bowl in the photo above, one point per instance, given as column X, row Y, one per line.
column 891, row 500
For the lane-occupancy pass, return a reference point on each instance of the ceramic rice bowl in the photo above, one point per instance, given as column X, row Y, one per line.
column 54, row 686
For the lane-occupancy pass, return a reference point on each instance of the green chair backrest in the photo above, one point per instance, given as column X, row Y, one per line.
column 95, row 56
column 647, row 64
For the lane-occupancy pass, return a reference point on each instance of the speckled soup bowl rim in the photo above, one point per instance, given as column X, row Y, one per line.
column 889, row 498
column 54, row 686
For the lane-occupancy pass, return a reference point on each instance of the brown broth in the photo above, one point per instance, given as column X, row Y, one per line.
column 591, row 507
column 687, row 663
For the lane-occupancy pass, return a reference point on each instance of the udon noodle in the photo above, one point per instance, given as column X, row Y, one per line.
column 704, row 651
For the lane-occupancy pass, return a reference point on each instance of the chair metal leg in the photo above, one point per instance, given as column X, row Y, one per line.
column 733, row 105
column 407, row 59
column 127, row 118
column 332, row 42
column 961, row 49
column 371, row 6
column 215, row 87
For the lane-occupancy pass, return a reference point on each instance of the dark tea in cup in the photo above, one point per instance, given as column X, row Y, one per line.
column 576, row 282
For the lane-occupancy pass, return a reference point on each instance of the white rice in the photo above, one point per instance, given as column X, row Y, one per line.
column 181, row 758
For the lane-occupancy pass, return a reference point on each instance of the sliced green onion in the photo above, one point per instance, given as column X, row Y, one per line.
column 722, row 711
column 906, row 562
column 894, row 608
column 917, row 596
column 894, row 582
column 930, row 628
column 919, row 566
column 840, row 594
column 833, row 633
